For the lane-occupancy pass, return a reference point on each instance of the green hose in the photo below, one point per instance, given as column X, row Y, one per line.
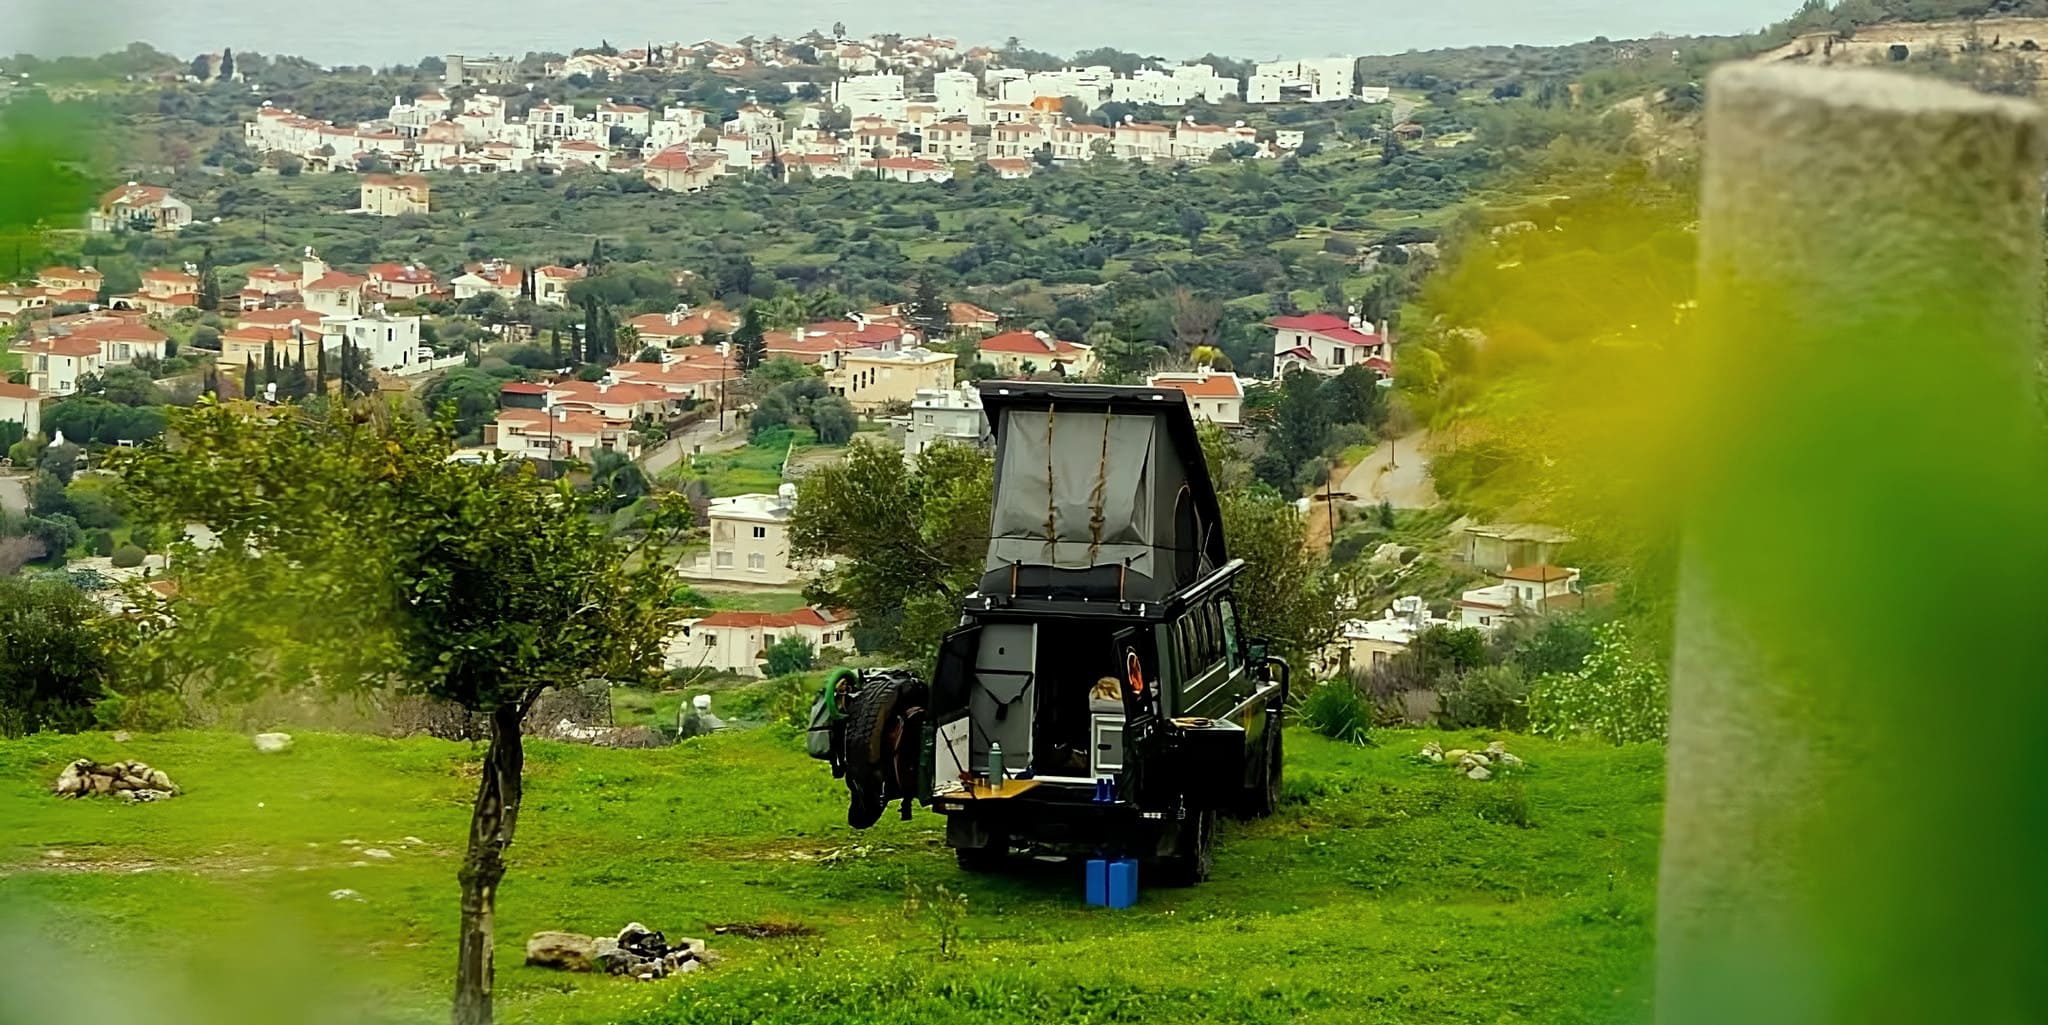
column 832, row 690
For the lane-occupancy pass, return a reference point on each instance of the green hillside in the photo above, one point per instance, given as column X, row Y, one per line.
column 1387, row 890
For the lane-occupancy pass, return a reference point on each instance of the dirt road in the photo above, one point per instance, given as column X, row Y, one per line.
column 1396, row 472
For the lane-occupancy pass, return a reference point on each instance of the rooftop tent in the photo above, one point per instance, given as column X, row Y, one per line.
column 1100, row 492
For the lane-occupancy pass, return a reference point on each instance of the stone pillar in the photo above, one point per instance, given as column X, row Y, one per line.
column 1854, row 801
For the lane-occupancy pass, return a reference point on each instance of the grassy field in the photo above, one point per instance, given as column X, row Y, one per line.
column 1386, row 891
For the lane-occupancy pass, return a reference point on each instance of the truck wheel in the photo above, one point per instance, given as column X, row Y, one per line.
column 1194, row 851
column 984, row 859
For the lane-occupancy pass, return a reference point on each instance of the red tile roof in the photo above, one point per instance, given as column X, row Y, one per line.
column 564, row 421
column 1027, row 343
column 339, row 280
column 68, row 345
column 17, row 391
column 279, row 317
column 135, row 195
column 1328, row 325
column 808, row 616
column 401, row 274
column 623, row 393
column 522, row 388
column 1215, row 386
column 1538, row 574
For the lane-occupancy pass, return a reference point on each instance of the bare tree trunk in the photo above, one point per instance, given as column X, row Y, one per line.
column 491, row 824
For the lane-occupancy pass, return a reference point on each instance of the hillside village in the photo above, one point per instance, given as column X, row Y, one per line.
column 1006, row 121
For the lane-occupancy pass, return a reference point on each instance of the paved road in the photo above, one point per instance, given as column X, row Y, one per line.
column 1396, row 472
column 702, row 433
column 14, row 495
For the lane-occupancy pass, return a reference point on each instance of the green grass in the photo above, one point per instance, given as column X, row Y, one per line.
column 1385, row 891
column 9, row 361
column 753, row 601
column 755, row 468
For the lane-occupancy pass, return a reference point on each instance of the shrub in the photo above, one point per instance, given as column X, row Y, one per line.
column 791, row 654
column 128, row 557
column 1617, row 695
column 100, row 542
column 1335, row 709
column 1489, row 696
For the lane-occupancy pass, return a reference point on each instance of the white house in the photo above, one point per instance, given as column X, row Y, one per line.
column 625, row 116
column 390, row 342
column 1213, row 396
column 551, row 284
column 1327, row 343
column 1023, row 353
column 738, row 642
column 150, row 207
column 385, row 195
column 749, row 541
column 1368, row 643
column 55, row 364
column 1530, row 590
column 488, row 276
column 940, row 415
column 22, row 404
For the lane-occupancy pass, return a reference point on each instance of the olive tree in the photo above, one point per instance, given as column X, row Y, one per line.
column 353, row 554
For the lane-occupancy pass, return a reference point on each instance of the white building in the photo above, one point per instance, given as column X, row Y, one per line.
column 1369, row 643
column 390, row 342
column 1213, row 396
column 1327, row 344
column 956, row 92
column 22, row 404
column 940, row 415
column 1529, row 591
column 867, row 88
column 738, row 642
column 750, row 541
column 1263, row 89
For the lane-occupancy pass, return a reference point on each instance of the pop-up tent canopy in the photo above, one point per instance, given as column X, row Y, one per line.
column 1100, row 492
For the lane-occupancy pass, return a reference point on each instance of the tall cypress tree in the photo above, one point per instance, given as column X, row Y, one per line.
column 209, row 282
column 249, row 377
column 269, row 362
column 555, row 345
column 321, row 366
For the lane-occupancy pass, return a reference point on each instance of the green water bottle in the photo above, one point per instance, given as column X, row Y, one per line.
column 995, row 766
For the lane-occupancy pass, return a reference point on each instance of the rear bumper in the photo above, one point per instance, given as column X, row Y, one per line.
column 1060, row 816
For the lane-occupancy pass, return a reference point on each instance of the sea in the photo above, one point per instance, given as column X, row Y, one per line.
column 386, row 33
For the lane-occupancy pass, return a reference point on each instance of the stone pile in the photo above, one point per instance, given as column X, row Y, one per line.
column 1479, row 765
column 131, row 781
column 638, row 952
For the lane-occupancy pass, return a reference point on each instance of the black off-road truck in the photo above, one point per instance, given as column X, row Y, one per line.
column 1103, row 655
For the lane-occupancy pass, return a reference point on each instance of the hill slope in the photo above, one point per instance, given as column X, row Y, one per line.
column 1387, row 891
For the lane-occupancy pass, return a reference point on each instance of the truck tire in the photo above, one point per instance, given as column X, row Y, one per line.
column 1194, row 851
column 867, row 728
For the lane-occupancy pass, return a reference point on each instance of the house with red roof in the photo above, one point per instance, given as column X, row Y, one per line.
column 559, row 433
column 677, row 169
column 683, row 325
column 22, row 404
column 56, row 364
column 1525, row 591
column 1212, row 395
column 683, row 379
column 391, row 195
column 328, row 291
column 70, row 279
column 826, row 343
column 908, row 169
column 165, row 292
column 551, row 284
column 149, row 207
column 269, row 287
column 401, row 280
column 1023, row 353
column 738, row 642
column 623, row 400
column 489, row 276
column 1327, row 343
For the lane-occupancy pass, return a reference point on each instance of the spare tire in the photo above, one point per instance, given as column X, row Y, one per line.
column 867, row 743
